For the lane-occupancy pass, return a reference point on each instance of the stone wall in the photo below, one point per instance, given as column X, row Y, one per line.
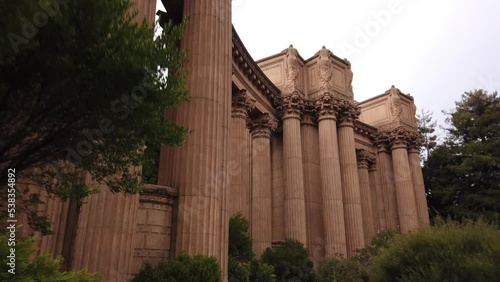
column 154, row 225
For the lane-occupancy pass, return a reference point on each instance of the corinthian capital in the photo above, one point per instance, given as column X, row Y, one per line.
column 291, row 106
column 349, row 112
column 242, row 103
column 399, row 137
column 327, row 107
column 263, row 126
column 365, row 158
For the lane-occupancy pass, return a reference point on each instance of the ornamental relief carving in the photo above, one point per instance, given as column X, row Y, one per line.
column 325, row 69
column 292, row 69
column 262, row 126
column 242, row 104
column 395, row 103
column 327, row 106
column 291, row 105
column 365, row 158
column 348, row 78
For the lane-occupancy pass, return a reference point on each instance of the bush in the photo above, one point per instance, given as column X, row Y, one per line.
column 237, row 272
column 240, row 243
column 261, row 272
column 182, row 268
column 445, row 252
column 341, row 270
column 41, row 268
column 291, row 261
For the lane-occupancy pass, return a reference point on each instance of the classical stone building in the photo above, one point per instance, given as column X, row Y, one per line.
column 281, row 140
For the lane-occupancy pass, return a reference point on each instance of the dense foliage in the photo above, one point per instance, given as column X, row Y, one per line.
column 445, row 252
column 242, row 263
column 182, row 268
column 462, row 175
column 291, row 261
column 31, row 267
column 83, row 90
column 427, row 127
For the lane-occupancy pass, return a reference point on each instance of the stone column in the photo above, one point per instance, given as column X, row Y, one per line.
column 418, row 182
column 295, row 211
column 278, row 188
column 239, row 189
column 106, row 235
column 377, row 198
column 200, row 172
column 350, row 180
column 331, row 185
column 364, row 157
column 312, row 187
column 388, row 189
column 261, row 129
column 405, row 194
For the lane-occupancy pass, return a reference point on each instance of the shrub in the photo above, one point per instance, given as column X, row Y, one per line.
column 41, row 268
column 240, row 243
column 341, row 270
column 291, row 261
column 445, row 252
column 182, row 268
column 261, row 272
column 237, row 271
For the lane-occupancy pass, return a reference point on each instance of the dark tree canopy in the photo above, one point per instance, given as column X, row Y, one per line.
column 462, row 175
column 84, row 88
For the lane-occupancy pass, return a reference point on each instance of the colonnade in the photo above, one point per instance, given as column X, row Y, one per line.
column 336, row 194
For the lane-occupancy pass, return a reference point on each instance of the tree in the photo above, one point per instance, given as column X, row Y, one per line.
column 83, row 90
column 462, row 175
column 242, row 265
column 427, row 127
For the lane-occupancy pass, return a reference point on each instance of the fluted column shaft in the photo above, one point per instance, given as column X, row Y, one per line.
column 350, row 188
column 331, row 184
column 377, row 204
column 407, row 207
column 388, row 188
column 418, row 182
column 295, row 211
column 106, row 235
column 366, row 198
column 200, row 170
column 239, row 158
column 312, row 187
column 261, row 184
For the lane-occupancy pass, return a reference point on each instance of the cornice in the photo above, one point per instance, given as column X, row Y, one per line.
column 252, row 71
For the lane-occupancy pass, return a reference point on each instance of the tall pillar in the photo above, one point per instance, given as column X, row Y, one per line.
column 312, row 187
column 278, row 188
column 377, row 198
column 200, row 170
column 350, row 180
column 364, row 158
column 106, row 235
column 331, row 185
column 388, row 188
column 418, row 182
column 295, row 211
column 239, row 189
column 261, row 129
column 405, row 194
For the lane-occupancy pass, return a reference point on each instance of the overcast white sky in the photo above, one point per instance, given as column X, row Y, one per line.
column 433, row 49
